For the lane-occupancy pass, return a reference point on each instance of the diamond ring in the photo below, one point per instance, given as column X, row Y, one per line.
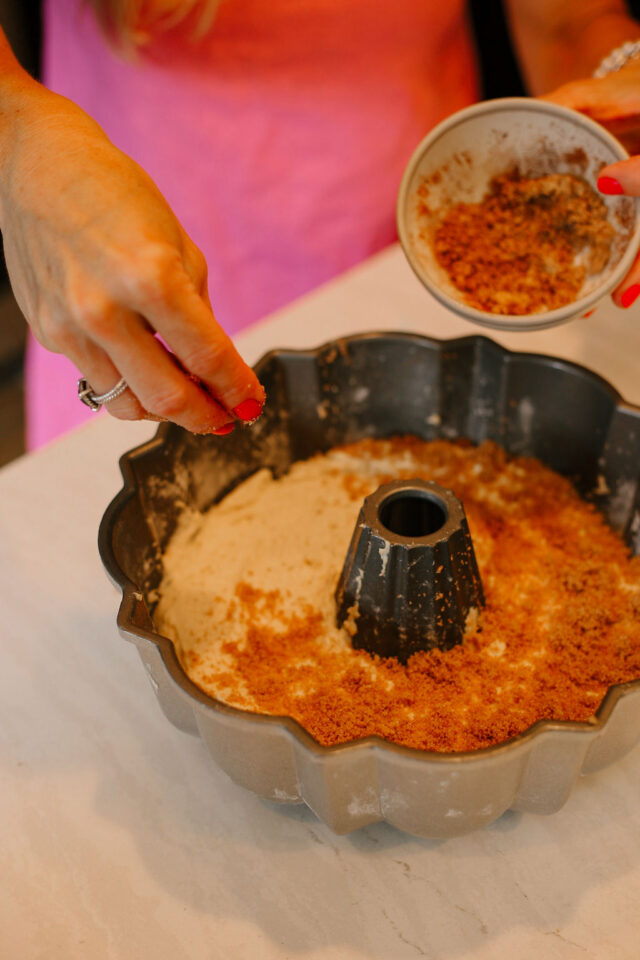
column 95, row 401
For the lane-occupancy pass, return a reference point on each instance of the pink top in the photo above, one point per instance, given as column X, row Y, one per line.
column 279, row 140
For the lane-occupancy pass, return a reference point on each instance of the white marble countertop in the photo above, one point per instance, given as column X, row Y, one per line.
column 121, row 839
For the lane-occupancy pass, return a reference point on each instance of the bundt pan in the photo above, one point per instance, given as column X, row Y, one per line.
column 376, row 385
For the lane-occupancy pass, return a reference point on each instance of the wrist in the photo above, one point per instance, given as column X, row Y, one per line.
column 16, row 99
column 20, row 98
column 599, row 38
column 578, row 48
column 13, row 77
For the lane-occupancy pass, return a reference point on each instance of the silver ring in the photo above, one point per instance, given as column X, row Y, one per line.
column 95, row 401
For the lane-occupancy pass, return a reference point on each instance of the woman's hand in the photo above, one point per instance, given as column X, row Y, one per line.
column 613, row 101
column 619, row 178
column 99, row 266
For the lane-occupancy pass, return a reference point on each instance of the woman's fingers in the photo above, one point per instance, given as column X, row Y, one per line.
column 618, row 178
column 108, row 343
column 249, row 408
column 206, row 351
column 613, row 100
column 167, row 296
column 158, row 382
column 629, row 290
column 611, row 97
column 101, row 375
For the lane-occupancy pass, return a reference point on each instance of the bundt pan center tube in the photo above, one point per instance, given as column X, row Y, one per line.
column 410, row 578
column 379, row 385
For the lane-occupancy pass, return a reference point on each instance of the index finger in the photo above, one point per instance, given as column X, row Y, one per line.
column 165, row 295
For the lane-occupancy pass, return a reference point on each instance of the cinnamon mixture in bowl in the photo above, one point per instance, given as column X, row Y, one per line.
column 248, row 599
column 528, row 246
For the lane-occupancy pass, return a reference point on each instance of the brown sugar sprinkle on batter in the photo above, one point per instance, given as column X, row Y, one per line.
column 253, row 617
column 528, row 246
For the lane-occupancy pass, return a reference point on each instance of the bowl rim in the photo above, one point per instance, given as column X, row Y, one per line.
column 133, row 596
column 537, row 321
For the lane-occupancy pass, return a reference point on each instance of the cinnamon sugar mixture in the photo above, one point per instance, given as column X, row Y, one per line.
column 528, row 246
column 247, row 597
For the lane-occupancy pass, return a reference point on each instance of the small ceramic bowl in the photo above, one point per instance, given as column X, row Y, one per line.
column 456, row 162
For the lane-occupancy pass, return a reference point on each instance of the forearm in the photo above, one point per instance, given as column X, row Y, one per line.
column 17, row 92
column 12, row 74
column 562, row 40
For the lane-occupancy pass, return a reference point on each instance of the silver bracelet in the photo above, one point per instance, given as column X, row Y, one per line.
column 618, row 58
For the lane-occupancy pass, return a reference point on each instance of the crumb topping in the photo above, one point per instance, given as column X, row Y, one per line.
column 248, row 598
column 528, row 246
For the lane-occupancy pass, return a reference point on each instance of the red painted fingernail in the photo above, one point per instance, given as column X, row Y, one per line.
column 630, row 295
column 249, row 410
column 223, row 431
column 609, row 185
